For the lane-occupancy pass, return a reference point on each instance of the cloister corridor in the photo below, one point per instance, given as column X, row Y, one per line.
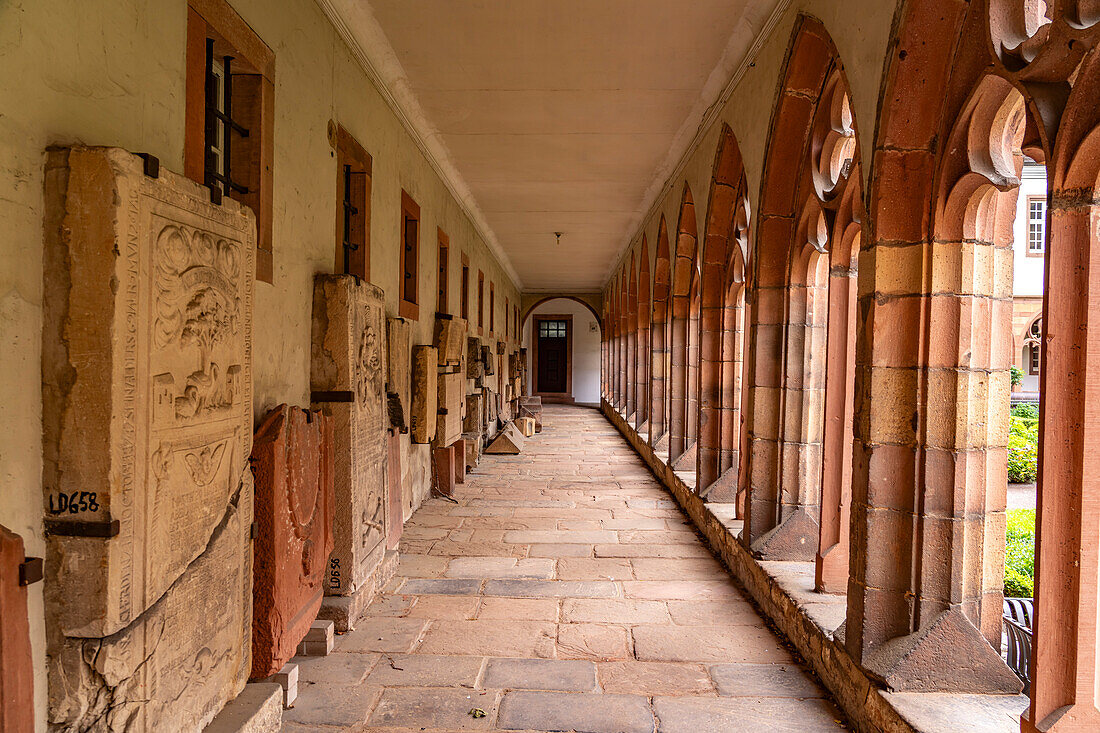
column 564, row 591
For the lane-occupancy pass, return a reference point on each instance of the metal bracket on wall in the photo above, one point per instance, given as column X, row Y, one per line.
column 30, row 570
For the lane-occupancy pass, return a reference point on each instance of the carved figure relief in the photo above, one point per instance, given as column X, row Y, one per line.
column 155, row 282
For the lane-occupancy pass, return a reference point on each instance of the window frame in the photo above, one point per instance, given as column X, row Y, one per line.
column 492, row 307
column 480, row 302
column 255, row 80
column 1042, row 200
column 409, row 260
column 350, row 153
column 464, row 287
column 443, row 271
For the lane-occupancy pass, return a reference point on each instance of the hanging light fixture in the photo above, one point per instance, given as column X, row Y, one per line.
column 557, row 235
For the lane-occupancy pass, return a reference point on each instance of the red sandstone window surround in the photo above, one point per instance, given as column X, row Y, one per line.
column 409, row 306
column 442, row 304
column 492, row 308
column 465, row 308
column 229, row 140
column 353, row 191
column 480, row 301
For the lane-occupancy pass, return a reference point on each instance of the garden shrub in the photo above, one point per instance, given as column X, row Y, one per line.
column 1023, row 448
column 1020, row 554
column 1026, row 409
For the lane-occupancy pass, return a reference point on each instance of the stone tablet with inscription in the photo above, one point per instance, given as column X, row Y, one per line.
column 347, row 379
column 451, row 403
column 397, row 366
column 292, row 459
column 147, row 427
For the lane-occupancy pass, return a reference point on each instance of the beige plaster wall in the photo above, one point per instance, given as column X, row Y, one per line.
column 111, row 72
column 860, row 29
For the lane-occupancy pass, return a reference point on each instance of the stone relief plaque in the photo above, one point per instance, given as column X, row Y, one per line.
column 147, row 412
column 292, row 459
column 475, row 369
column 397, row 366
column 424, row 412
column 347, row 378
column 450, row 340
column 451, row 403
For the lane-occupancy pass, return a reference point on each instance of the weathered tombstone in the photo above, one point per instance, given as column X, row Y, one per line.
column 346, row 375
column 487, row 359
column 292, row 460
column 474, row 422
column 450, row 404
column 424, row 412
column 475, row 368
column 509, row 441
column 459, row 449
column 443, row 470
column 397, row 373
column 474, row 448
column 16, row 667
column 147, row 428
column 396, row 491
column 449, row 341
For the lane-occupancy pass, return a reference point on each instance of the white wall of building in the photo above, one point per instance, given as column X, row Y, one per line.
column 1027, row 269
column 586, row 347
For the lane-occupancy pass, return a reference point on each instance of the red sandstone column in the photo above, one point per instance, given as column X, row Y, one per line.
column 659, row 381
column 1065, row 692
column 710, row 376
column 16, row 667
column 763, row 398
column 928, row 489
column 836, row 481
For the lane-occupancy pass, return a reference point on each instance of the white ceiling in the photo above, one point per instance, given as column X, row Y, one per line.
column 554, row 115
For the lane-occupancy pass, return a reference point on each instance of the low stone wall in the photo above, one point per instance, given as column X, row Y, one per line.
column 868, row 708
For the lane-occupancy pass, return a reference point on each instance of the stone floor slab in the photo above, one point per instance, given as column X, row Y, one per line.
column 433, row 707
column 383, row 634
column 425, row 670
column 557, row 711
column 655, row 678
column 540, row 674
column 551, row 588
column 763, row 680
column 775, row 715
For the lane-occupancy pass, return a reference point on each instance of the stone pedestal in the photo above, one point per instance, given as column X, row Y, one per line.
column 349, row 358
column 16, row 667
column 147, row 428
column 258, row 709
column 459, row 449
column 292, row 460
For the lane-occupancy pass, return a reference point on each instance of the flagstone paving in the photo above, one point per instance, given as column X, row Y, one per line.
column 565, row 591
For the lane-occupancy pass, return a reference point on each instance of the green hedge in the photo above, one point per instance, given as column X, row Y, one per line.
column 1020, row 553
column 1023, row 449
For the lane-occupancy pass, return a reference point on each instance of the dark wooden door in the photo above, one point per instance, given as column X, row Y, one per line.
column 553, row 356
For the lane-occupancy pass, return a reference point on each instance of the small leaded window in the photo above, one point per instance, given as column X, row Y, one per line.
column 551, row 329
column 1036, row 224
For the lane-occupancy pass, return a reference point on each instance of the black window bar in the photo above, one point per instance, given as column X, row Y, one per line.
column 220, row 181
column 350, row 211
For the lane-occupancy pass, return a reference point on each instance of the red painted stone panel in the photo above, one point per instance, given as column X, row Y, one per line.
column 292, row 459
column 16, row 672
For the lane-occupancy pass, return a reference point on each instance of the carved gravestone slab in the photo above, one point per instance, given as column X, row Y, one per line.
column 16, row 665
column 292, row 459
column 487, row 360
column 451, row 405
column 397, row 372
column 347, row 379
column 147, row 427
column 474, row 422
column 450, row 340
column 424, row 411
column 475, row 369
column 474, row 447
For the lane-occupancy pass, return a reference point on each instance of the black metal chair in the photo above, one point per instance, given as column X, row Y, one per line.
column 1019, row 650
